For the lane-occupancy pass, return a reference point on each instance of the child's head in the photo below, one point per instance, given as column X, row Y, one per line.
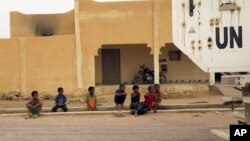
column 136, row 88
column 91, row 90
column 60, row 90
column 34, row 94
column 151, row 89
column 122, row 87
column 157, row 87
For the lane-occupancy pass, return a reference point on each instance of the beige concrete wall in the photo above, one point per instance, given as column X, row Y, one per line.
column 50, row 63
column 119, row 23
column 124, row 22
column 115, row 23
column 111, row 23
column 9, row 65
column 129, row 23
column 165, row 22
column 184, row 69
column 22, row 25
column 131, row 57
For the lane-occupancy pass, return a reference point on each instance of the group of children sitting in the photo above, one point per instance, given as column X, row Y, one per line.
column 151, row 102
column 151, row 99
column 34, row 105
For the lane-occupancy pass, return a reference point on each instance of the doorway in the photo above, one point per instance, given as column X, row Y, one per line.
column 111, row 67
column 218, row 77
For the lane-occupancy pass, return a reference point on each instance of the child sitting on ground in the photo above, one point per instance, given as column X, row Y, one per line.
column 90, row 99
column 149, row 102
column 120, row 96
column 150, row 99
column 159, row 95
column 34, row 105
column 135, row 99
column 60, row 101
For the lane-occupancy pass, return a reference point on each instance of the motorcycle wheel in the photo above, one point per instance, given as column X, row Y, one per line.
column 138, row 79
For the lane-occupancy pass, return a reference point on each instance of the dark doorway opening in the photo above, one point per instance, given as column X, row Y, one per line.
column 111, row 67
column 218, row 77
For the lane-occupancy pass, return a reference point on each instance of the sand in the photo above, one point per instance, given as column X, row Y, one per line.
column 150, row 127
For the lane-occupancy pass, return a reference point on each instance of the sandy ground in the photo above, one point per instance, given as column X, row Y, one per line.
column 150, row 127
column 109, row 101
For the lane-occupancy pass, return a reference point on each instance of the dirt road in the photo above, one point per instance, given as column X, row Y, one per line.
column 151, row 127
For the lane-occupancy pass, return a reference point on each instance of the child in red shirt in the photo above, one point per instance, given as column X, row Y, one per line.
column 159, row 95
column 150, row 98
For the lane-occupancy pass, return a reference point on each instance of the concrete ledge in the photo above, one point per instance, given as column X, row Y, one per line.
column 110, row 108
column 231, row 99
column 190, row 106
column 246, row 100
column 124, row 111
column 239, row 115
column 221, row 133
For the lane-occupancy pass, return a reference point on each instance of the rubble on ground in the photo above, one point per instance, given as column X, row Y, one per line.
column 13, row 95
column 46, row 96
column 2, row 96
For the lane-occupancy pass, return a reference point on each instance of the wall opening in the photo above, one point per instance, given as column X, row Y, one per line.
column 131, row 57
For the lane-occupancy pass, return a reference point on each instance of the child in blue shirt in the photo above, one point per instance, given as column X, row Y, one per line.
column 60, row 101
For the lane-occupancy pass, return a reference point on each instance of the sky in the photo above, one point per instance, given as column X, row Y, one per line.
column 30, row 7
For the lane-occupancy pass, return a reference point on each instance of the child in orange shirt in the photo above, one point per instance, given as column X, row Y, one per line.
column 90, row 99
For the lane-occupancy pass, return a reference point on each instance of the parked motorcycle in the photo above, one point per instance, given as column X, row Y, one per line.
column 146, row 76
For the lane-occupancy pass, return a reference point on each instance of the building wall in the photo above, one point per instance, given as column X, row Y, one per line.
column 49, row 64
column 9, row 65
column 165, row 22
column 58, row 24
column 50, row 61
column 184, row 69
column 119, row 23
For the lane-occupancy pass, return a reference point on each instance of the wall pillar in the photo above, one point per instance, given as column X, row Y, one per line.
column 23, row 67
column 89, row 67
column 211, row 78
column 156, row 40
column 78, row 47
